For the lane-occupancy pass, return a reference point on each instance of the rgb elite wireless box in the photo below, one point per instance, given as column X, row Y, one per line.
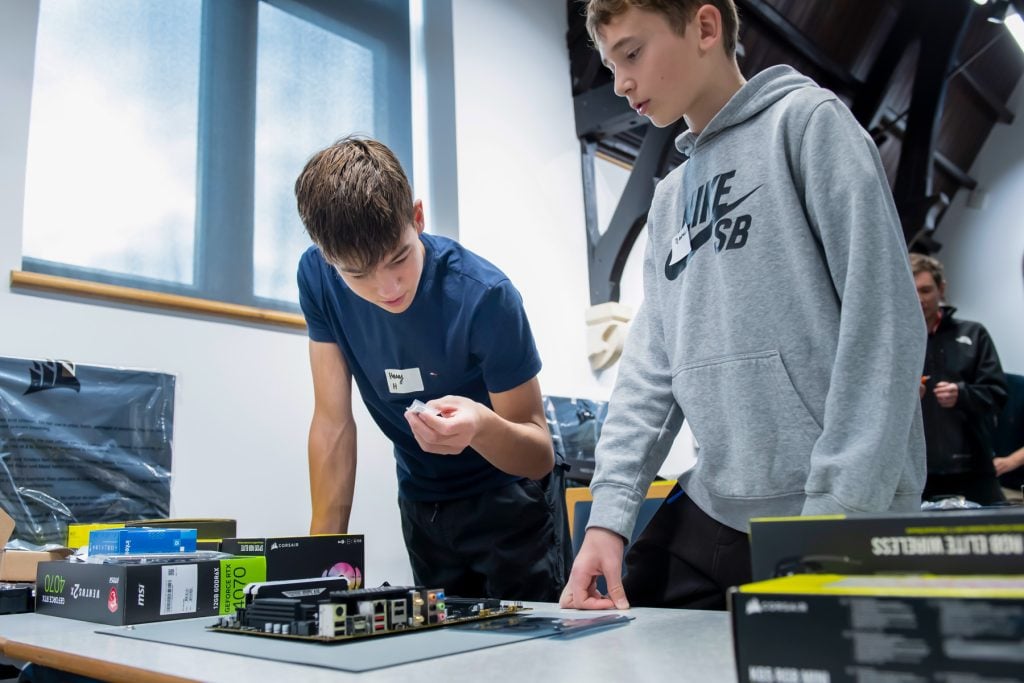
column 892, row 628
column 306, row 557
column 139, row 593
column 989, row 541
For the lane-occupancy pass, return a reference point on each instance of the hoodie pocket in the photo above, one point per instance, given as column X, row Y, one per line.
column 754, row 432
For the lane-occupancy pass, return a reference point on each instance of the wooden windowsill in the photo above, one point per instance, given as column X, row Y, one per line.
column 604, row 156
column 95, row 290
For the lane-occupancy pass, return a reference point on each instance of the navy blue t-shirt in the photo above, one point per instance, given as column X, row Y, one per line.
column 465, row 334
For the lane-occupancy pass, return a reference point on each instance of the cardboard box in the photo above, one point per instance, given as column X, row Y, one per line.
column 20, row 565
column 833, row 628
column 989, row 541
column 138, row 593
column 306, row 557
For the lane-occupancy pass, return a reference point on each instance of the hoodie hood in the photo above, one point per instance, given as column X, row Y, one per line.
column 756, row 95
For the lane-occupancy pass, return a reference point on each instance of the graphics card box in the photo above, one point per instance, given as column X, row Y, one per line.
column 893, row 629
column 138, row 593
column 989, row 541
column 305, row 557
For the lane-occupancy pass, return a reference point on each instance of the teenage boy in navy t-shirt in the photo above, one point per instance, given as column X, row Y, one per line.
column 415, row 316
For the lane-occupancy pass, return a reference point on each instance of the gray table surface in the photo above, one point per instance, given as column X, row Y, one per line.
column 660, row 644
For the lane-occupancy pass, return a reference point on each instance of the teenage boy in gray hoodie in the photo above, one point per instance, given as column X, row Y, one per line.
column 779, row 317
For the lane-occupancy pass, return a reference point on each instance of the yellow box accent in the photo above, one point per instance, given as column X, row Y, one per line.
column 78, row 534
column 580, row 494
column 910, row 585
column 798, row 518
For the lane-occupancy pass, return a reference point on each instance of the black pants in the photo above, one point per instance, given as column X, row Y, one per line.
column 685, row 559
column 511, row 543
column 980, row 487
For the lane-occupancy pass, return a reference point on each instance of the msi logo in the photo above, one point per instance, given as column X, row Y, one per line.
column 52, row 374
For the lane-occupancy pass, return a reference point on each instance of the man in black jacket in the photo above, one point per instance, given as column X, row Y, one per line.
column 962, row 391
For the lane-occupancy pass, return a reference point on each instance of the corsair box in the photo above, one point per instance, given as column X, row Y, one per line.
column 896, row 629
column 306, row 557
column 139, row 593
column 989, row 541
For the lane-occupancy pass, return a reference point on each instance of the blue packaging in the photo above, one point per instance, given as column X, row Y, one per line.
column 131, row 541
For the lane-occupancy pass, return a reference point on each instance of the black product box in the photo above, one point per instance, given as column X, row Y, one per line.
column 306, row 557
column 138, row 593
column 989, row 541
column 892, row 629
column 16, row 598
column 205, row 528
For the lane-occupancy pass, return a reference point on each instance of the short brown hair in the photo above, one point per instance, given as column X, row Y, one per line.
column 355, row 201
column 919, row 263
column 678, row 13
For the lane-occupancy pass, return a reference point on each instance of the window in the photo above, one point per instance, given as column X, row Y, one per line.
column 165, row 137
column 111, row 171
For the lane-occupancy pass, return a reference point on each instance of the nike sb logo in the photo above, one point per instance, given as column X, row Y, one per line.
column 707, row 207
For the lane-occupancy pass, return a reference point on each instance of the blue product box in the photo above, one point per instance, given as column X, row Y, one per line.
column 130, row 541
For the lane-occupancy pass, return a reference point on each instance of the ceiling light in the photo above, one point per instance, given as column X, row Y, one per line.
column 1015, row 25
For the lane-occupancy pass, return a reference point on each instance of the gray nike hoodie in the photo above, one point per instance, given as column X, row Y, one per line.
column 789, row 335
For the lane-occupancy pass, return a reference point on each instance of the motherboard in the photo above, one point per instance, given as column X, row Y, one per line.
column 343, row 615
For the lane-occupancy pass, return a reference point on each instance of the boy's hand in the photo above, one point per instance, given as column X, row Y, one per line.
column 453, row 431
column 600, row 555
column 946, row 393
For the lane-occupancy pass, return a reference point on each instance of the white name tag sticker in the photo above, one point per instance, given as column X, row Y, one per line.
column 408, row 381
column 680, row 246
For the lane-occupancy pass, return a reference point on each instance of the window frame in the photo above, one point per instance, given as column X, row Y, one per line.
column 226, row 141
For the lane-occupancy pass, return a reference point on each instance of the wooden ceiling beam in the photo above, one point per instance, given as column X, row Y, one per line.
column 779, row 26
column 992, row 102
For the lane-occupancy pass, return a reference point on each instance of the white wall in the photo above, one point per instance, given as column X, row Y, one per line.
column 521, row 184
column 243, row 398
column 983, row 248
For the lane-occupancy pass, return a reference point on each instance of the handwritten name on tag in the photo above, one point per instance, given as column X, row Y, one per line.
column 408, row 381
